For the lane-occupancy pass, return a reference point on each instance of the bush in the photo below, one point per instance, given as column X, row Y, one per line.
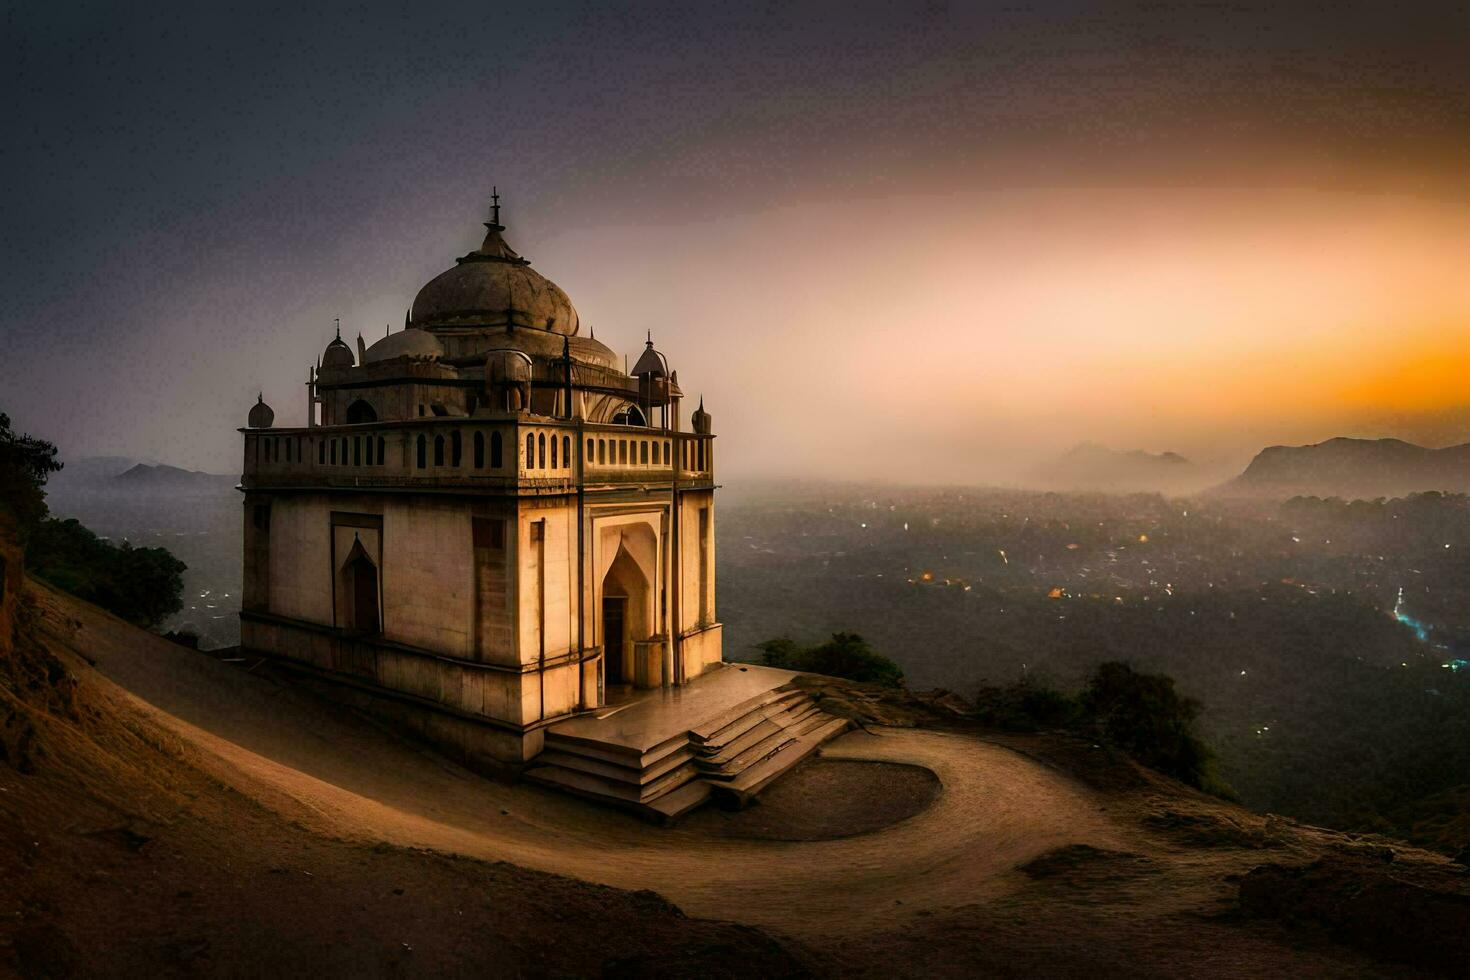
column 142, row 585
column 1141, row 714
column 1144, row 716
column 846, row 655
column 1026, row 706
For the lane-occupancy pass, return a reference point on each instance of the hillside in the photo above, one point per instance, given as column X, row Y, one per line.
column 1352, row 469
column 1098, row 468
column 166, row 812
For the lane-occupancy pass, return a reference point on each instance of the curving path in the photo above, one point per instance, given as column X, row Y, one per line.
column 345, row 776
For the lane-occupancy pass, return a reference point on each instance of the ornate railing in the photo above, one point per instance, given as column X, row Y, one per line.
column 527, row 454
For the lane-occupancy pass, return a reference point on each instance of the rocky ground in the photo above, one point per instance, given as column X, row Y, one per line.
column 162, row 813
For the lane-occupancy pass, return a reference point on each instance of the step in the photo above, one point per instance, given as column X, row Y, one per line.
column 775, row 719
column 760, row 742
column 749, row 783
column 616, row 754
column 779, row 713
column 568, row 781
column 783, row 701
column 672, row 806
column 719, row 755
column 773, row 743
column 607, row 770
column 761, row 750
column 597, row 786
column 705, row 730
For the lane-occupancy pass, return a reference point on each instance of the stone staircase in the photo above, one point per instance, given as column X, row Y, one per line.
column 735, row 754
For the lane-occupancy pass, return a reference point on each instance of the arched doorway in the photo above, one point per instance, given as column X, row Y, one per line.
column 359, row 412
column 359, row 584
column 626, row 616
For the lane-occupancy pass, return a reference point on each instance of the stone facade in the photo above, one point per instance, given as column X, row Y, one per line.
column 485, row 526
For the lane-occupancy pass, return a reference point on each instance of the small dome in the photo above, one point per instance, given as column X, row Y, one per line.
column 338, row 354
column 405, row 343
column 651, row 362
column 261, row 414
column 701, row 420
column 590, row 350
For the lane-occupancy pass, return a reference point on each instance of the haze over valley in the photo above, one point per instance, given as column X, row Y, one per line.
column 1313, row 630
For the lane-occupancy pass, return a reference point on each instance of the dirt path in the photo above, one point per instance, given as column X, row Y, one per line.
column 344, row 776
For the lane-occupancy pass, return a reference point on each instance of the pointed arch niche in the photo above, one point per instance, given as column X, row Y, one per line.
column 357, row 573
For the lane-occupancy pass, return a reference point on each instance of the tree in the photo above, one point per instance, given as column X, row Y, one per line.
column 846, row 655
column 25, row 463
column 142, row 585
column 1143, row 715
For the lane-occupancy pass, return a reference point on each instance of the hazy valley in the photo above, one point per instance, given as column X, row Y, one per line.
column 1321, row 637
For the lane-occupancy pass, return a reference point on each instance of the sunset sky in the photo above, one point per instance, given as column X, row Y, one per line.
column 918, row 242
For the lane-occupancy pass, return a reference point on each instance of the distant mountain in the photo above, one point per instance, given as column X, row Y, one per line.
column 1352, row 469
column 108, row 476
column 1093, row 467
column 164, row 477
column 91, row 470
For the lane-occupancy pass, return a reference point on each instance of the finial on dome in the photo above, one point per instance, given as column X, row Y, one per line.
column 650, row 338
column 259, row 397
column 495, row 205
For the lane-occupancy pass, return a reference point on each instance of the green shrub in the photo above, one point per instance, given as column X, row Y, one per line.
column 1026, row 706
column 845, row 655
column 142, row 585
column 1144, row 716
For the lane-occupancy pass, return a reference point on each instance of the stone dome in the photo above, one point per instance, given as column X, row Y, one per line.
column 262, row 416
column 492, row 286
column 338, row 354
column 405, row 343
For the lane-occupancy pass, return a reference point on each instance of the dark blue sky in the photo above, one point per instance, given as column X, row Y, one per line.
column 189, row 190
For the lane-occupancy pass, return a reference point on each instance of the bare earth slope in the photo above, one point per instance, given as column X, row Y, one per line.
column 187, row 815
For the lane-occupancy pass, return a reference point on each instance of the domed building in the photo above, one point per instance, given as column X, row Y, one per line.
column 488, row 531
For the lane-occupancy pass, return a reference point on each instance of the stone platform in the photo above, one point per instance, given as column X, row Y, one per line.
column 732, row 732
